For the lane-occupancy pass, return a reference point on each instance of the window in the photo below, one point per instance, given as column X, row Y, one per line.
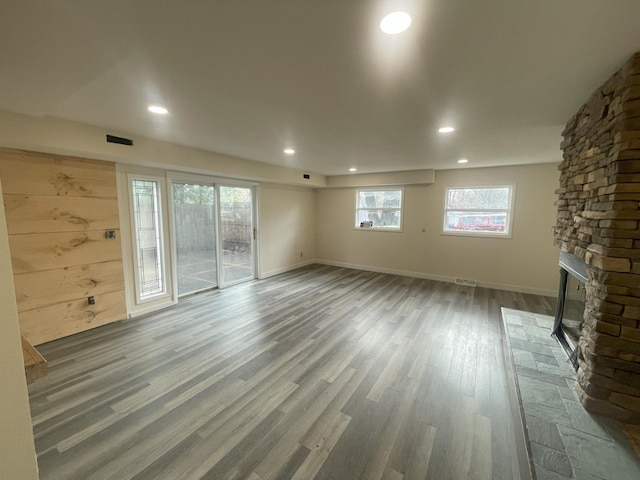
column 148, row 251
column 482, row 211
column 379, row 208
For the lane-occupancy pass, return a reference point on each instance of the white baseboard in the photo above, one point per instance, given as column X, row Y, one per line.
column 442, row 278
column 288, row 268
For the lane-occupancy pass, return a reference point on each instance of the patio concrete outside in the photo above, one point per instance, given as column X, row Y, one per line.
column 197, row 270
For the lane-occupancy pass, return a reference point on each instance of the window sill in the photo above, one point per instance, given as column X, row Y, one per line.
column 378, row 229
column 477, row 234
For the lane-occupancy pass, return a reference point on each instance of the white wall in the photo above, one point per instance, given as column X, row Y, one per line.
column 287, row 228
column 54, row 135
column 526, row 262
column 17, row 451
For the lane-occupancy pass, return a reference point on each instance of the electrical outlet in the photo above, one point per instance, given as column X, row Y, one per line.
column 109, row 234
column 91, row 301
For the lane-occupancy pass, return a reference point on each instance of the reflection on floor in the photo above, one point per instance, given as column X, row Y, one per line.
column 566, row 441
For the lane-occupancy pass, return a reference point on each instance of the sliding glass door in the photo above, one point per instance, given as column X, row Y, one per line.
column 194, row 209
column 187, row 234
column 237, row 234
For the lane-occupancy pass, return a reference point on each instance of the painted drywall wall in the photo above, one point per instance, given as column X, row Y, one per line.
column 17, row 451
column 408, row 177
column 526, row 262
column 54, row 135
column 287, row 228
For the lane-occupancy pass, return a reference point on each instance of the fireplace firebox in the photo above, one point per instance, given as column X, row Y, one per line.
column 570, row 308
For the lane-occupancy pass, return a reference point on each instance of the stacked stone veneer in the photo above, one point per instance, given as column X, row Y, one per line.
column 599, row 221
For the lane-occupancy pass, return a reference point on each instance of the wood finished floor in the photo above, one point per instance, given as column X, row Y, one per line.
column 320, row 373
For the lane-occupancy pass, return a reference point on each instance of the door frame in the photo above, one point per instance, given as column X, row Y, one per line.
column 181, row 177
column 124, row 175
column 166, row 177
column 254, row 227
column 217, row 182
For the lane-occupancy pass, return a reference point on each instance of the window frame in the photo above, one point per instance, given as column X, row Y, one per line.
column 398, row 188
column 161, row 220
column 509, row 211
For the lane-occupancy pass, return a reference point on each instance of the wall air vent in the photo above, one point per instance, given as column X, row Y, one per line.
column 464, row 281
column 119, row 140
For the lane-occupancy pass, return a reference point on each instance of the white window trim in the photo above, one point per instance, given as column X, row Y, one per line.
column 510, row 212
column 357, row 191
column 164, row 245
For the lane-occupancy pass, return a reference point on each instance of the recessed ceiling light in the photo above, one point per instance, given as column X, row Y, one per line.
column 395, row 22
column 463, row 160
column 446, row 130
column 289, row 151
column 353, row 169
column 158, row 109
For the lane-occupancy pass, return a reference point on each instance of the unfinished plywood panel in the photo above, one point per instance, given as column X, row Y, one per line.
column 63, row 319
column 58, row 209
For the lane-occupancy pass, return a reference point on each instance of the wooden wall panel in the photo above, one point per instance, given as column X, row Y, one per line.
column 63, row 319
column 27, row 173
column 58, row 209
column 68, row 283
column 39, row 214
column 45, row 251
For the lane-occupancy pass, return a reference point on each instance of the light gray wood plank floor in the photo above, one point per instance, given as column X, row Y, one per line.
column 319, row 373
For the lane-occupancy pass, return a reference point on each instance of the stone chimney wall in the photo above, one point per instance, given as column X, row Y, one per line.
column 599, row 221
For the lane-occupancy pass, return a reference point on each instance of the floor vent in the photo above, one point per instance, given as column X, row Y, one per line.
column 463, row 281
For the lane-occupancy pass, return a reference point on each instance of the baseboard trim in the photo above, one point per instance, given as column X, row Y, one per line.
column 288, row 268
column 441, row 278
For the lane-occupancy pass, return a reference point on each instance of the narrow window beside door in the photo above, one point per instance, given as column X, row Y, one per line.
column 148, row 238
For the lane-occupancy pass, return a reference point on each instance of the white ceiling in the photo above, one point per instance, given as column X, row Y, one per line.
column 251, row 77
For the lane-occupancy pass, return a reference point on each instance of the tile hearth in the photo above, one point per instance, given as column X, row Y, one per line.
column 564, row 440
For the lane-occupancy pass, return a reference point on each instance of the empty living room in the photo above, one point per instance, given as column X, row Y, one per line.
column 275, row 240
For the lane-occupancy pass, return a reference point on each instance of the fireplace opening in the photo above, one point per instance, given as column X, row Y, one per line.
column 571, row 305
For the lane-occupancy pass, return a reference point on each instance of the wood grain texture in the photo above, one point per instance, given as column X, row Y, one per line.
column 39, row 214
column 32, row 173
column 35, row 365
column 320, row 373
column 57, row 210
column 44, row 324
column 36, row 252
column 41, row 289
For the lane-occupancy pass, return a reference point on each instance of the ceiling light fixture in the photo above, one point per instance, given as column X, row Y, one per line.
column 353, row 169
column 396, row 22
column 289, row 151
column 157, row 109
column 463, row 160
column 446, row 130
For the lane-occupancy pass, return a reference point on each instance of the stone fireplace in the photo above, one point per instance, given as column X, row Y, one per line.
column 598, row 221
